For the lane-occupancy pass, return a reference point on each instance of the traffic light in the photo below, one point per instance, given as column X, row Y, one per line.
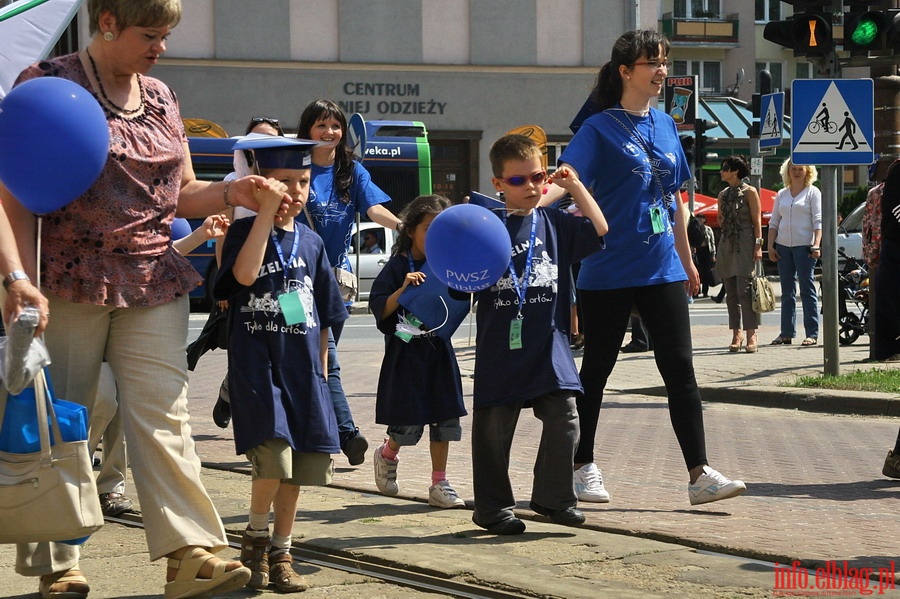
column 701, row 126
column 687, row 145
column 870, row 30
column 808, row 32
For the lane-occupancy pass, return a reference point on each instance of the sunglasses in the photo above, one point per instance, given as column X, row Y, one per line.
column 520, row 180
column 264, row 119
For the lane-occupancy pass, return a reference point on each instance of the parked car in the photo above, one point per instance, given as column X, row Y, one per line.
column 849, row 239
column 367, row 266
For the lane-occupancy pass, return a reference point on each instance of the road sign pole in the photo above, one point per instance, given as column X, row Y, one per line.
column 829, row 270
column 755, row 178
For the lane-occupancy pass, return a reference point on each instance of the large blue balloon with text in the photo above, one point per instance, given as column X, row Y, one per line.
column 468, row 247
column 54, row 141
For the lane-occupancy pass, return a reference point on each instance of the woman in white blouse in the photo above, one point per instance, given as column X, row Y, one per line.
column 795, row 232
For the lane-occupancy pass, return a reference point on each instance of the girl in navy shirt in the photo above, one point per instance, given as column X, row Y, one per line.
column 419, row 382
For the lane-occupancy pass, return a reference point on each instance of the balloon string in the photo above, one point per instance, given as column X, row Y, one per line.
column 37, row 267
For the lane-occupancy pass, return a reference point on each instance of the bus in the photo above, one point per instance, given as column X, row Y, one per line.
column 397, row 155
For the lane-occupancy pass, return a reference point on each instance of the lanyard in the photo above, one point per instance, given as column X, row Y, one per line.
column 412, row 266
column 285, row 265
column 636, row 135
column 526, row 276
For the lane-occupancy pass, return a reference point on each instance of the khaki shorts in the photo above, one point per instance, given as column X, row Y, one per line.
column 276, row 459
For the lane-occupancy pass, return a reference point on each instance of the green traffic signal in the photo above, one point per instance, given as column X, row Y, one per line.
column 870, row 31
column 865, row 32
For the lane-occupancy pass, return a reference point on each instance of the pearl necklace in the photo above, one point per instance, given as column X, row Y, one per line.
column 106, row 99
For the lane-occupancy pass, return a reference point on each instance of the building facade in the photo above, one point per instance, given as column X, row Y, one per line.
column 470, row 70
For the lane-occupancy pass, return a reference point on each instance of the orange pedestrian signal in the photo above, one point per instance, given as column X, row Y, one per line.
column 812, row 35
column 806, row 33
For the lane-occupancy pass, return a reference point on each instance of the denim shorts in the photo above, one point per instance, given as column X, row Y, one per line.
column 409, row 434
column 276, row 459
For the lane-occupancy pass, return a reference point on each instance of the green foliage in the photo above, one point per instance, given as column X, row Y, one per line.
column 852, row 200
column 883, row 381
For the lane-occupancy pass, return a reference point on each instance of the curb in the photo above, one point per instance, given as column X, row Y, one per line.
column 828, row 401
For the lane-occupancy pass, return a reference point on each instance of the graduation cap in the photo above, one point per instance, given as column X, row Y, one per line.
column 588, row 109
column 432, row 304
column 486, row 201
column 273, row 151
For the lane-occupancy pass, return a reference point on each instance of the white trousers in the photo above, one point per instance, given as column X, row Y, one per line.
column 145, row 348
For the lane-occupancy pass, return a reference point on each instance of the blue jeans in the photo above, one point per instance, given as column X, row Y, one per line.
column 346, row 426
column 795, row 263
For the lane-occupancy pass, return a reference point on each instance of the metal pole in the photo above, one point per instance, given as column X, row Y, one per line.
column 692, row 183
column 755, row 179
column 830, row 270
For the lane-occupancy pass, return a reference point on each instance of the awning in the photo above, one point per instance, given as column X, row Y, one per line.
column 734, row 117
column 708, row 206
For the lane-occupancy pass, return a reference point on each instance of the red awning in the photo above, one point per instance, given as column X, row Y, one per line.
column 707, row 206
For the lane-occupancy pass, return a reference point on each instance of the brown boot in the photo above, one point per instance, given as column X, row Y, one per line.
column 255, row 555
column 283, row 576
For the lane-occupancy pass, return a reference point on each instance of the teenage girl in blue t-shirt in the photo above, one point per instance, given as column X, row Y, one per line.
column 340, row 188
column 630, row 156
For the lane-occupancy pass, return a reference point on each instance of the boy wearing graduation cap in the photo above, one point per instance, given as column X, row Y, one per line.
column 282, row 300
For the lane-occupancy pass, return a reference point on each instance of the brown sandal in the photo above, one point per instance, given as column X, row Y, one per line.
column 781, row 341
column 255, row 555
column 809, row 341
column 283, row 576
column 70, row 584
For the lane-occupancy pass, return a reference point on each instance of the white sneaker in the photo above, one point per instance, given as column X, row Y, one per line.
column 589, row 484
column 385, row 473
column 712, row 486
column 444, row 495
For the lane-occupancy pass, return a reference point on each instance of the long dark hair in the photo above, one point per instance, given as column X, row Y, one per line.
column 413, row 215
column 343, row 156
column 630, row 47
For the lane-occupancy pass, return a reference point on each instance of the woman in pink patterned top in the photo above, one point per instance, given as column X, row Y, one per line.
column 117, row 289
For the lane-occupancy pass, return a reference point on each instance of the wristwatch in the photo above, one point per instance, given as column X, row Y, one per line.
column 16, row 275
column 760, row 241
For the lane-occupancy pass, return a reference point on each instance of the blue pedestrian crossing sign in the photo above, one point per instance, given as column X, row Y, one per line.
column 833, row 121
column 771, row 120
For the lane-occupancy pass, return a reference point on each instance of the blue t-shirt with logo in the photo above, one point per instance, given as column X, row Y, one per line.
column 544, row 362
column 333, row 218
column 609, row 152
column 278, row 388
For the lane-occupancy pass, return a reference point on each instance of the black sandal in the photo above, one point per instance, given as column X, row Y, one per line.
column 781, row 341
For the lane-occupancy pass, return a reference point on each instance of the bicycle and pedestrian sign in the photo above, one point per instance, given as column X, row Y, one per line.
column 833, row 121
column 771, row 120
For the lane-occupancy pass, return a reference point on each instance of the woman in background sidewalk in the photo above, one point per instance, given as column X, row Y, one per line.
column 795, row 231
column 740, row 247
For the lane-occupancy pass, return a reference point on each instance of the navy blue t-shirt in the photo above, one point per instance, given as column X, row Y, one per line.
column 276, row 383
column 419, row 381
column 544, row 363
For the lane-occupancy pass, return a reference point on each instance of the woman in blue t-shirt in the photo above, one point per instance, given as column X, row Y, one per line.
column 340, row 188
column 629, row 154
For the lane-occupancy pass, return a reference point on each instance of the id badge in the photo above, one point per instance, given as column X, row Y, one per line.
column 292, row 308
column 405, row 336
column 656, row 219
column 515, row 333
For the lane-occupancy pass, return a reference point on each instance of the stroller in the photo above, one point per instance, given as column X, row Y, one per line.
column 853, row 300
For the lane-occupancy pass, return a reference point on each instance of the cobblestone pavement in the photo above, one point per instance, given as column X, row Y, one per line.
column 815, row 489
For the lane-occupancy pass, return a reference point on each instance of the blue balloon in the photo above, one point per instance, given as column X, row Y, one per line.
column 180, row 228
column 54, row 141
column 468, row 247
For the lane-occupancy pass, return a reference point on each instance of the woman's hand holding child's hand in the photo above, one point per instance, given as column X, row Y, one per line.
column 244, row 192
column 269, row 196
